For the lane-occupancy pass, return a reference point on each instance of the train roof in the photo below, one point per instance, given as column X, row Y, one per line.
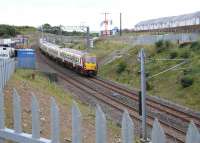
column 77, row 52
column 69, row 50
column 50, row 44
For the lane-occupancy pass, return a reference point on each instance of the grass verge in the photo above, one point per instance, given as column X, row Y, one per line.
column 41, row 86
column 126, row 70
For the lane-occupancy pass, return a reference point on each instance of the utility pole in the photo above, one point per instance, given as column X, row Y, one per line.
column 120, row 24
column 143, row 90
column 42, row 32
column 88, row 37
column 60, row 28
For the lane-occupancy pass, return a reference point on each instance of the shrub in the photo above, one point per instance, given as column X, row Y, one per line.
column 7, row 31
column 168, row 44
column 173, row 55
column 162, row 45
column 71, row 46
column 185, row 54
column 195, row 46
column 187, row 71
column 148, row 86
column 121, row 67
column 183, row 45
column 186, row 81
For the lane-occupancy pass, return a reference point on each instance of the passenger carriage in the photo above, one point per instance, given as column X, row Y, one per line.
column 80, row 61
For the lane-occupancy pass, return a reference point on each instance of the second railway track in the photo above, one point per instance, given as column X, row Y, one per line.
column 152, row 103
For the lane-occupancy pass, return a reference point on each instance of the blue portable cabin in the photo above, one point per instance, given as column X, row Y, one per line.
column 26, row 58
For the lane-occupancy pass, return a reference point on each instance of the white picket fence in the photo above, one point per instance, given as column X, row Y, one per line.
column 16, row 134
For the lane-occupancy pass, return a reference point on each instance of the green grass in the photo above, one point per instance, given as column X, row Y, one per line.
column 42, row 85
column 166, row 85
column 78, row 46
column 24, row 30
column 105, row 47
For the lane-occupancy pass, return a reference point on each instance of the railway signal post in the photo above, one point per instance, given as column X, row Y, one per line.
column 120, row 31
column 143, row 93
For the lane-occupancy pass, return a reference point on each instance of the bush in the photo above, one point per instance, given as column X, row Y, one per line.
column 187, row 71
column 149, row 86
column 186, row 81
column 7, row 31
column 168, row 44
column 173, row 55
column 183, row 45
column 121, row 67
column 185, row 54
column 195, row 46
column 162, row 45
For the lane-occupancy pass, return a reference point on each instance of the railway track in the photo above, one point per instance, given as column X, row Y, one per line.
column 152, row 103
column 90, row 86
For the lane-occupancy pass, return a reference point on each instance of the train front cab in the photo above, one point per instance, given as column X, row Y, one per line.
column 90, row 65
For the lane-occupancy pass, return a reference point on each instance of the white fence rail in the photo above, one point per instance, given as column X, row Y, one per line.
column 7, row 67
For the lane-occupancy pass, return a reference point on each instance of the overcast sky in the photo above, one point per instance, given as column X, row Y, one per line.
column 89, row 12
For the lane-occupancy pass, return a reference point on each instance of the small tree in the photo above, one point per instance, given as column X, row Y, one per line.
column 7, row 31
column 195, row 46
column 173, row 55
column 162, row 45
column 159, row 46
column 186, row 81
column 185, row 54
column 121, row 67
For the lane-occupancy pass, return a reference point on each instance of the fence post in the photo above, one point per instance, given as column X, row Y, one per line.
column 6, row 74
column 13, row 66
column 1, row 75
column 17, row 112
column 35, row 118
column 157, row 135
column 127, row 128
column 2, row 115
column 76, row 124
column 55, row 122
column 9, row 69
column 100, row 126
column 4, row 77
column 193, row 135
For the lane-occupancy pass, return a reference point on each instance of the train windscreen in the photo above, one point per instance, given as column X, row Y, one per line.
column 90, row 60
